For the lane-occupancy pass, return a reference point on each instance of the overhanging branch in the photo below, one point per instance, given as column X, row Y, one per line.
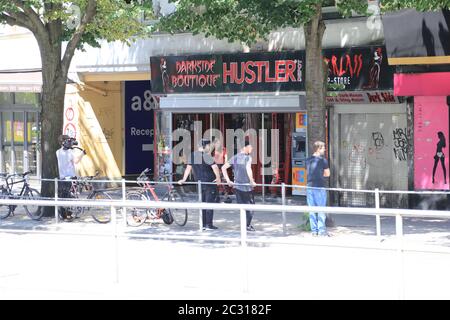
column 12, row 21
column 19, row 18
column 89, row 14
column 32, row 15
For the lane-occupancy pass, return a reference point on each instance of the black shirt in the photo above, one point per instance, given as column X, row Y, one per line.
column 201, row 165
column 315, row 167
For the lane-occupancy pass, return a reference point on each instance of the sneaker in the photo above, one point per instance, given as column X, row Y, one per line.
column 314, row 234
column 68, row 218
column 325, row 234
column 210, row 227
column 250, row 228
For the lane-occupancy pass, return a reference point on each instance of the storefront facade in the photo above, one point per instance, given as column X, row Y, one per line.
column 421, row 56
column 368, row 127
column 110, row 101
column 255, row 92
column 367, row 124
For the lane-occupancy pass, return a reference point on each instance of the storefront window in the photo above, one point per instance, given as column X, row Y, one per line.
column 19, row 132
column 28, row 98
column 6, row 141
column 6, row 98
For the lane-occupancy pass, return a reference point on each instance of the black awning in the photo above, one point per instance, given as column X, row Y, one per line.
column 410, row 33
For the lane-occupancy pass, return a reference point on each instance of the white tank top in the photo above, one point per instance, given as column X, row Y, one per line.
column 66, row 165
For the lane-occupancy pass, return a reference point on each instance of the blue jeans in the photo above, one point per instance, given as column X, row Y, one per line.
column 317, row 197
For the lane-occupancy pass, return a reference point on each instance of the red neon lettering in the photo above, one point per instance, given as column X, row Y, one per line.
column 251, row 75
column 280, row 70
column 268, row 77
column 228, row 72
column 290, row 69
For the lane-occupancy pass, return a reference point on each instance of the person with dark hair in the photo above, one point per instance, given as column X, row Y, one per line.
column 243, row 179
column 439, row 156
column 205, row 170
column 317, row 169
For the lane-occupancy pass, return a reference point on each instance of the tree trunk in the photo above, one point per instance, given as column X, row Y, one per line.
column 315, row 78
column 316, row 84
column 52, row 101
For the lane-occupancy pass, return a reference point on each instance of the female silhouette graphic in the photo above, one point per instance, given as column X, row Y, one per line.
column 440, row 156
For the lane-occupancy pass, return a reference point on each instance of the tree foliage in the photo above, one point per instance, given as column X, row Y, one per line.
column 77, row 22
column 421, row 5
column 246, row 20
column 111, row 19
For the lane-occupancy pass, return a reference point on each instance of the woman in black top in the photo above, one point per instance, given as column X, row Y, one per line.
column 440, row 155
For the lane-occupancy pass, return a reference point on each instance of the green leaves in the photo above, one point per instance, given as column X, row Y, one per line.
column 420, row 5
column 113, row 20
column 246, row 20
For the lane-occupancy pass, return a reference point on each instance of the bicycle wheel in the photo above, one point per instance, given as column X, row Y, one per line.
column 136, row 216
column 5, row 210
column 34, row 211
column 180, row 216
column 100, row 214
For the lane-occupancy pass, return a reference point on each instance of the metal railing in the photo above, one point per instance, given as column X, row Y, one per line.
column 243, row 239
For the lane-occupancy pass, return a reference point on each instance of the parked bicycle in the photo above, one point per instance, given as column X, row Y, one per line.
column 35, row 212
column 80, row 184
column 155, row 192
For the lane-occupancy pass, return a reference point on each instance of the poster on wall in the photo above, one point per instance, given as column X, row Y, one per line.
column 139, row 126
column 364, row 68
column 431, row 121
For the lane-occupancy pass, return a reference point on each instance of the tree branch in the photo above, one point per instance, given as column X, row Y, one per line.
column 12, row 21
column 30, row 20
column 91, row 10
column 30, row 15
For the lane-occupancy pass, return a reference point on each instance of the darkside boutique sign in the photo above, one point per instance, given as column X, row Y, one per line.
column 280, row 71
column 349, row 69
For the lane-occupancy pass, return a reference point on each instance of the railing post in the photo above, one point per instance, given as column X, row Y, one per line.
column 200, row 211
column 56, row 199
column 283, row 202
column 399, row 235
column 124, row 209
column 243, row 219
column 377, row 216
column 116, row 244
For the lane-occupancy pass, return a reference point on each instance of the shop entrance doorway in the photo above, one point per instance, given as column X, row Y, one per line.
column 271, row 152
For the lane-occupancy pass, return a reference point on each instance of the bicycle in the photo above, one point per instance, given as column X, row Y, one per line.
column 78, row 184
column 6, row 192
column 155, row 192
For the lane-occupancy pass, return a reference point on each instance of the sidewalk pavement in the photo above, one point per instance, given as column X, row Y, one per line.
column 354, row 228
column 50, row 266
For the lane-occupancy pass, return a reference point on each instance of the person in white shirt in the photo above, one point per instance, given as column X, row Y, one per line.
column 68, row 157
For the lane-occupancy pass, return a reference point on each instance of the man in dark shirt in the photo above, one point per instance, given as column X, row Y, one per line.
column 317, row 169
column 205, row 170
column 243, row 179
